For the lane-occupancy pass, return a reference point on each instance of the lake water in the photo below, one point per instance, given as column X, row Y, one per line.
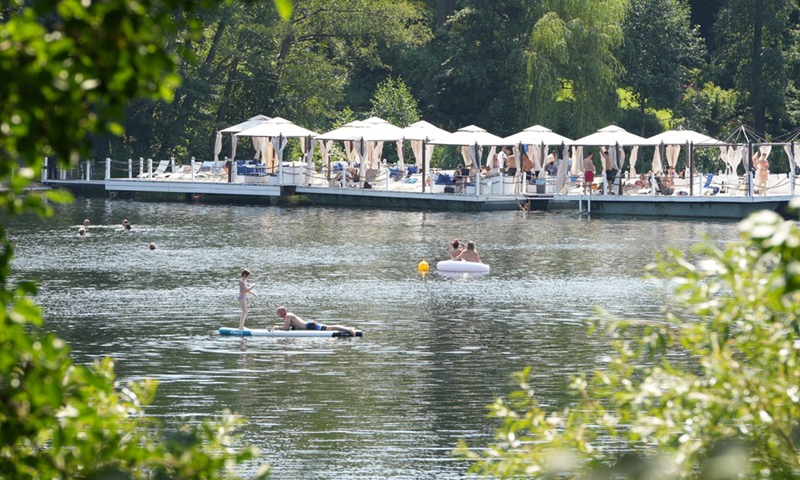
column 437, row 349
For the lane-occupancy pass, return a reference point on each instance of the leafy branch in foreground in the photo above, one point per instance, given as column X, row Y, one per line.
column 713, row 392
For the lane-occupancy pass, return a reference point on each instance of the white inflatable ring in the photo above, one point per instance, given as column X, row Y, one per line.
column 460, row 266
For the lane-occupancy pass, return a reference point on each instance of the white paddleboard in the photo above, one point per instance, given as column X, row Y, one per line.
column 460, row 266
column 256, row 332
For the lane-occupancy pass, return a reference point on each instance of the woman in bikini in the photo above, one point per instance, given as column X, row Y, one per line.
column 244, row 289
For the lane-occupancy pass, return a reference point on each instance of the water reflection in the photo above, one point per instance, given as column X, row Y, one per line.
column 436, row 349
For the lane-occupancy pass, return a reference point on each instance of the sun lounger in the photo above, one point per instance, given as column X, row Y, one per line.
column 162, row 167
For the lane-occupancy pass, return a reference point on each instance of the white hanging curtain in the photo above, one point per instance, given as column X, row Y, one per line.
column 217, row 146
column 792, row 155
column 360, row 150
column 279, row 144
column 577, row 162
column 350, row 151
column 416, row 149
column 489, row 158
column 733, row 157
column 620, row 160
column 765, row 150
column 658, row 166
column 325, row 150
column 744, row 157
column 234, row 141
column 561, row 174
column 428, row 155
column 401, row 157
column 309, row 154
column 258, row 145
column 673, row 151
column 634, row 156
column 377, row 153
column 536, row 157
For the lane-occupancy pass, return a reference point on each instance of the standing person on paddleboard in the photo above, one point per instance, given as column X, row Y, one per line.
column 244, row 289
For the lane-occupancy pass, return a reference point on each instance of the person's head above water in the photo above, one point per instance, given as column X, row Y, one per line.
column 470, row 245
column 282, row 312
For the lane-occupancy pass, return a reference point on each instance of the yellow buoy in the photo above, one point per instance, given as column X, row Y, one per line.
column 423, row 267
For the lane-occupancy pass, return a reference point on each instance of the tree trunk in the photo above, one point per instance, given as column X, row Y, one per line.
column 222, row 111
column 186, row 106
column 443, row 9
column 759, row 114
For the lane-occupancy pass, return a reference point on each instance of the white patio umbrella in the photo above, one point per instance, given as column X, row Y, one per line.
column 420, row 134
column 474, row 138
column 611, row 135
column 537, row 138
column 278, row 129
column 249, row 123
column 682, row 137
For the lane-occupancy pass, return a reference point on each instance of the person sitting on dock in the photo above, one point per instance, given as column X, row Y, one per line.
column 470, row 254
column 293, row 322
column 462, row 176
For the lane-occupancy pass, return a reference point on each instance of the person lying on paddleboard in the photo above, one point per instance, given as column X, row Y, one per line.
column 293, row 322
column 470, row 254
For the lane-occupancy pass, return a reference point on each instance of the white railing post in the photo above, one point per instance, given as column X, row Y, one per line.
column 44, row 168
column 171, row 165
column 108, row 168
column 149, row 168
column 130, row 168
column 141, row 166
column 193, row 169
column 88, row 170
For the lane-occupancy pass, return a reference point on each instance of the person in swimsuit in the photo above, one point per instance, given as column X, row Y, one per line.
column 244, row 289
column 454, row 248
column 470, row 254
column 293, row 322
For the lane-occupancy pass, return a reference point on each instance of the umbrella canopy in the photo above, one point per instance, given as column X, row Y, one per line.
column 470, row 135
column 349, row 131
column 682, row 137
column 423, row 130
column 379, row 130
column 276, row 127
column 537, row 135
column 611, row 135
column 250, row 123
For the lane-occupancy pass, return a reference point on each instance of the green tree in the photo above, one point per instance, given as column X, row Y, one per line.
column 69, row 69
column 571, row 64
column 713, row 392
column 394, row 103
column 754, row 38
column 660, row 48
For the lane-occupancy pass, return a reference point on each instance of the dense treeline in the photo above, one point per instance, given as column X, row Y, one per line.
column 500, row 64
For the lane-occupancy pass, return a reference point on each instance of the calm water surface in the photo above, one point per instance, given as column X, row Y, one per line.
column 436, row 349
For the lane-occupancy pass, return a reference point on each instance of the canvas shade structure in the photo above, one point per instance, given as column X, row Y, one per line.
column 668, row 144
column 419, row 135
column 279, row 130
column 239, row 127
column 347, row 133
column 472, row 139
column 535, row 136
column 615, row 138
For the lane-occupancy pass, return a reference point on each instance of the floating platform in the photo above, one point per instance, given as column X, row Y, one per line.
column 255, row 332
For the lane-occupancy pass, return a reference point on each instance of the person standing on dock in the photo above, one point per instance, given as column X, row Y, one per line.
column 588, row 173
column 244, row 289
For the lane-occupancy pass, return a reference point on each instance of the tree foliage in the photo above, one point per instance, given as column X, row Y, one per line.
column 69, row 69
column 754, row 39
column 660, row 49
column 572, row 67
column 727, row 406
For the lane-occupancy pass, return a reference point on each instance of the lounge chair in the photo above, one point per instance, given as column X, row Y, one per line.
column 159, row 171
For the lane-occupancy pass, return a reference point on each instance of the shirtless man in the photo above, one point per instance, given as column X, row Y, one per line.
column 293, row 322
column 469, row 255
